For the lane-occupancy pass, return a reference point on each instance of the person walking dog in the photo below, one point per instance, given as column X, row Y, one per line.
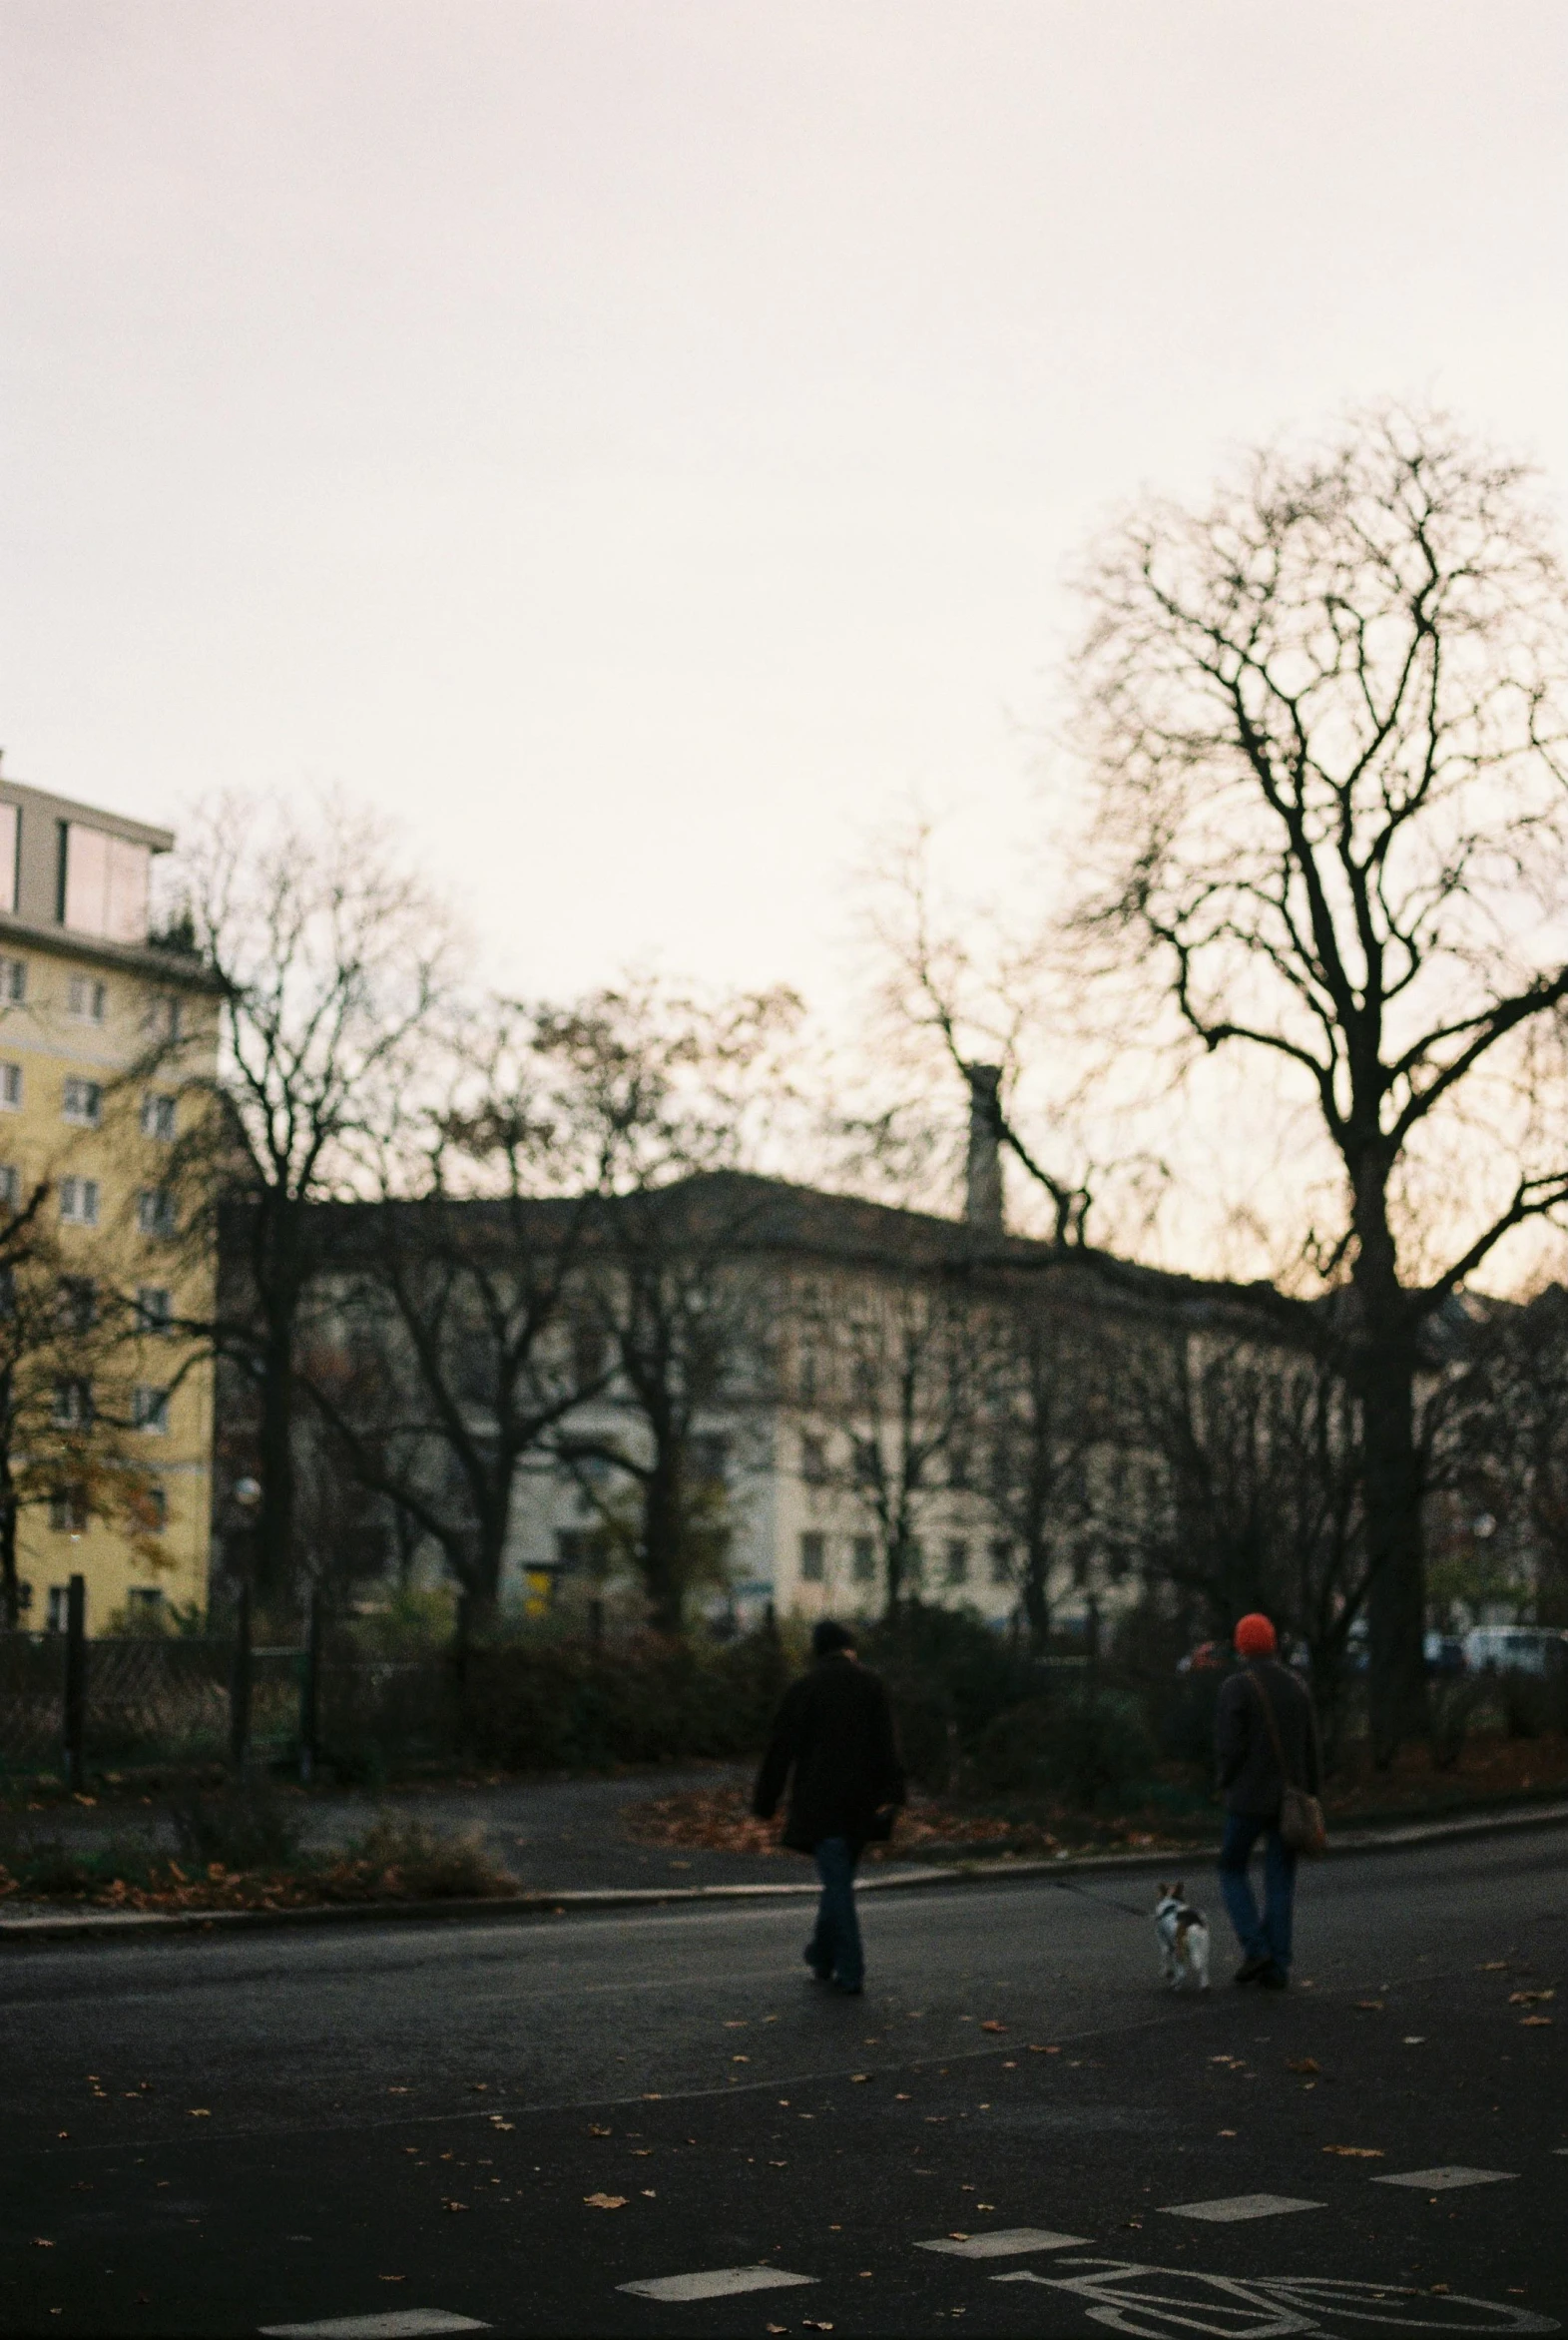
column 1266, row 1738
column 834, row 1735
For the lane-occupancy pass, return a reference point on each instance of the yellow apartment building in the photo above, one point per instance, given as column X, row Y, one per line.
column 108, row 1044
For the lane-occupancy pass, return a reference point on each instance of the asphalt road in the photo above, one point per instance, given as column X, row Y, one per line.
column 225, row 2136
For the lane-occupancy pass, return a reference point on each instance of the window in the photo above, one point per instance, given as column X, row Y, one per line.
column 149, row 1410
column 10, row 1088
column 77, row 1304
column 24, row 1595
column 155, row 1307
column 73, row 1403
column 59, row 1603
column 806, row 1376
column 154, row 1211
column 150, row 1509
column 708, row 1459
column 582, row 1547
column 79, row 1201
column 88, row 998
column 165, row 1019
column 863, row 1378
column 867, row 1463
column 103, row 884
column 1001, row 1563
column 157, row 1117
column 866, row 1560
column 67, row 1517
column 13, row 979
column 10, row 1186
column 814, row 1461
column 144, row 1605
column 83, row 1103
column 813, row 1557
column 957, row 1562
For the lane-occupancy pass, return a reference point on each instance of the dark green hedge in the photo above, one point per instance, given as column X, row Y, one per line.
column 568, row 1706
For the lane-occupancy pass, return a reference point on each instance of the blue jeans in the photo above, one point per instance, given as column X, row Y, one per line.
column 1268, row 1935
column 835, row 1947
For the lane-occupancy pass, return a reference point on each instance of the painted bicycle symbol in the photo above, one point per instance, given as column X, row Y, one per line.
column 1153, row 2302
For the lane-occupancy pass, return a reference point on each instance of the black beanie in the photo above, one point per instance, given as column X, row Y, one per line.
column 828, row 1636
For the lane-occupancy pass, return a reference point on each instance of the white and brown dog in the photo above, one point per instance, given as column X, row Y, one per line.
column 1184, row 1939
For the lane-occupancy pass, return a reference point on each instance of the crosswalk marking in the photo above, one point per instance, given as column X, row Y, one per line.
column 1234, row 2206
column 1003, row 2243
column 714, row 2284
column 397, row 2323
column 1451, row 2174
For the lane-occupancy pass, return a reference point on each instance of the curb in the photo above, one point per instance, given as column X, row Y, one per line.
column 144, row 1925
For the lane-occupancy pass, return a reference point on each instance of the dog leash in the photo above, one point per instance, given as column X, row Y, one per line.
column 1101, row 1901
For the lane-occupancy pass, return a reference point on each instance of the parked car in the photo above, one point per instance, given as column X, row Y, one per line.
column 1445, row 1653
column 1515, row 1649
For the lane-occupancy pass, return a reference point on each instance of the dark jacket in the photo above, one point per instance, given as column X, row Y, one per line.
column 836, row 1731
column 1248, row 1767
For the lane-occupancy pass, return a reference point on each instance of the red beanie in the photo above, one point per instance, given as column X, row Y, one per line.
column 1255, row 1636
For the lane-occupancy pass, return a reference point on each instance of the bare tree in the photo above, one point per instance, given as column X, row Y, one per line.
column 664, row 1094
column 1324, row 716
column 1044, row 1410
column 332, row 961
column 454, row 1343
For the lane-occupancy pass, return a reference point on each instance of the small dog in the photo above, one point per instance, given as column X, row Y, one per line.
column 1184, row 1939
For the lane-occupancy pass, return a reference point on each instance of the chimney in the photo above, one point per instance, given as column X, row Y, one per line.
column 984, row 1169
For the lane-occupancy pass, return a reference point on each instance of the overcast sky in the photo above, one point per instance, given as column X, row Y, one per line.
column 640, row 441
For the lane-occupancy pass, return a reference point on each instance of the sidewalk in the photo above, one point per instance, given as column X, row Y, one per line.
column 563, row 1842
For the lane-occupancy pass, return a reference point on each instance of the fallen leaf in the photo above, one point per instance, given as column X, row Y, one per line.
column 775, row 2327
column 993, row 2026
column 1302, row 2063
column 1228, row 2133
column 902, row 2097
column 955, row 2236
column 859, row 2075
column 594, row 2130
column 739, row 2060
column 505, row 2127
column 1037, row 2050
column 392, row 2278
column 1530, row 2021
column 42, row 2242
column 736, row 2025
column 480, row 2088
column 985, row 2205
column 1529, row 1998
column 1371, row 2006
column 200, row 2112
column 454, row 2205
column 1357, row 2152
column 1413, row 2039
column 604, row 2201
column 1494, row 1966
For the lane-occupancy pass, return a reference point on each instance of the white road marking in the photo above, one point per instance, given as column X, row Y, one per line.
column 398, row 2323
column 1004, row 2242
column 1451, row 2173
column 1230, row 2207
column 714, row 2284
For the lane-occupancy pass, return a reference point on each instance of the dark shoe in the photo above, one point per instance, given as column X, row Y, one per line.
column 819, row 1974
column 1275, row 1978
column 1253, row 1970
column 850, row 1990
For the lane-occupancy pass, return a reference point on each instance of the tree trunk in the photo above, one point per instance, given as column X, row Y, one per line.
column 1384, row 1377
column 275, row 1527
column 662, row 1549
column 1037, row 1599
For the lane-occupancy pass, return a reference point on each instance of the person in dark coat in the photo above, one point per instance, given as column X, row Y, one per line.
column 1254, row 1786
column 833, row 1741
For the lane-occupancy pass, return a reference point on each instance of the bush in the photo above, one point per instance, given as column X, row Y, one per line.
column 554, row 1705
column 1088, row 1747
column 416, row 1860
column 244, row 1828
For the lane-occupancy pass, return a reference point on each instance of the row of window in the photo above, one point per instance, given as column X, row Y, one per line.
column 87, row 1000
column 81, row 1205
column 144, row 1604
column 865, row 1565
column 82, row 1104
column 73, row 1406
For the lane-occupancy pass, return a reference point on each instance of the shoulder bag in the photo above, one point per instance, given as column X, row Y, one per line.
column 1302, row 1827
